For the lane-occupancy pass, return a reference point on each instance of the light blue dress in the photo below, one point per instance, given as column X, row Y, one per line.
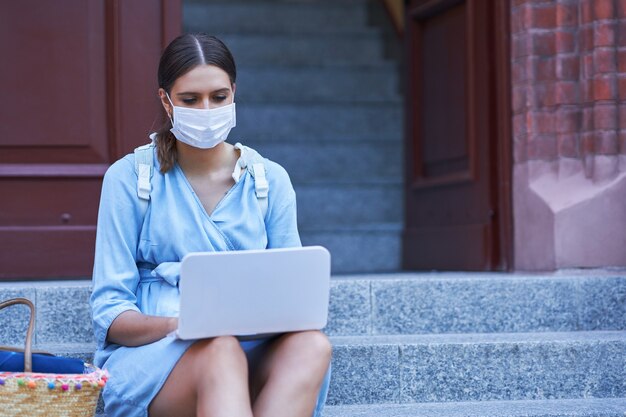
column 138, row 256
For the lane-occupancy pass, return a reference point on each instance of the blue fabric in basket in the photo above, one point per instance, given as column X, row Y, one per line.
column 14, row 362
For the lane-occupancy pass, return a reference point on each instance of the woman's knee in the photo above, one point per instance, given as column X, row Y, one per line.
column 217, row 352
column 313, row 347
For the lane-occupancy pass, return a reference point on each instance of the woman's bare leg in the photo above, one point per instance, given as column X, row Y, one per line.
column 289, row 375
column 210, row 380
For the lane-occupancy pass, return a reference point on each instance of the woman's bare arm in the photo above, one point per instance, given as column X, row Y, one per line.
column 132, row 328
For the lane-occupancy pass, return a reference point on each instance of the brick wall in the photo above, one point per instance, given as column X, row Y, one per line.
column 569, row 82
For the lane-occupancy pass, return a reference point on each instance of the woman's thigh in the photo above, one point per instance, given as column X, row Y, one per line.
column 296, row 357
column 208, row 364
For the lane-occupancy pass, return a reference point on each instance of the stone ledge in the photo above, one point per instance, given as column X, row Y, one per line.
column 605, row 407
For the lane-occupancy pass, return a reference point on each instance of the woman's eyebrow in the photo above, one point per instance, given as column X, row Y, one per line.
column 187, row 93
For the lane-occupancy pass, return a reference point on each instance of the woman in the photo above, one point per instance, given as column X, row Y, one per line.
column 202, row 198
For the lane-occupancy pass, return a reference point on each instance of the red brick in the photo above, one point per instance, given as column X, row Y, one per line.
column 606, row 143
column 567, row 14
column 519, row 124
column 604, row 60
column 603, row 89
column 586, row 91
column 587, row 66
column 538, row 122
column 568, row 120
column 518, row 72
column 586, row 11
column 541, row 147
column 565, row 41
column 604, row 34
column 621, row 9
column 621, row 85
column 519, row 46
column 622, row 142
column 622, row 115
column 621, row 60
column 605, row 116
column 543, row 44
column 586, row 124
column 541, row 69
column 517, row 24
column 566, row 92
column 567, row 145
column 621, row 30
column 587, row 143
column 540, row 16
column 518, row 98
column 567, row 67
column 603, row 9
column 540, row 95
column 585, row 38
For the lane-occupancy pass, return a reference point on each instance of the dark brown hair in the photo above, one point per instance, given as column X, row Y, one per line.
column 181, row 56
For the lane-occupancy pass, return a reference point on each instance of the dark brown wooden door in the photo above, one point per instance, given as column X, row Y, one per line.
column 78, row 91
column 457, row 163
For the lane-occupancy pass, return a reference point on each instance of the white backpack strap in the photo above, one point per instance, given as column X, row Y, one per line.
column 261, row 186
column 253, row 162
column 144, row 161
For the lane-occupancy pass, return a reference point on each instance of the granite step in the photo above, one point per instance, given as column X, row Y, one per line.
column 383, row 304
column 335, row 122
column 289, row 17
column 478, row 367
column 348, row 204
column 467, row 367
column 588, row 407
column 336, row 162
column 304, row 49
column 314, row 84
column 460, row 302
column 362, row 248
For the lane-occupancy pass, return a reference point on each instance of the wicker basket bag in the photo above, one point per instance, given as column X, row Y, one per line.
column 42, row 394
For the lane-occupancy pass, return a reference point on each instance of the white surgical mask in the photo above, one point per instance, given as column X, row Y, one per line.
column 202, row 128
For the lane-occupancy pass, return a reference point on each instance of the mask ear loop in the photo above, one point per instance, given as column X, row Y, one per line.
column 168, row 114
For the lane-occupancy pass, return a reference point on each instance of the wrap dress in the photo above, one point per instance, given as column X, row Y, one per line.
column 137, row 263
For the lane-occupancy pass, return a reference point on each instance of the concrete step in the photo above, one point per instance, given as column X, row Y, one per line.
column 299, row 49
column 478, row 367
column 318, row 122
column 219, row 17
column 366, row 248
column 314, row 84
column 348, row 204
column 435, row 303
column 394, row 304
column 335, row 162
column 468, row 367
column 588, row 407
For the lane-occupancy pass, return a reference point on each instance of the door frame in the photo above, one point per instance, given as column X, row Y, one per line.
column 500, row 142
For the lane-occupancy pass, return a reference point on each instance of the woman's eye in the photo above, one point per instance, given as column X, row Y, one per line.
column 219, row 98
column 189, row 100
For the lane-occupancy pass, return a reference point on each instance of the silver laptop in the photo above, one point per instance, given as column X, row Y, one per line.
column 253, row 293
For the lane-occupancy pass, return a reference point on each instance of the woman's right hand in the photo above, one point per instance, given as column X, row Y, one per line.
column 132, row 328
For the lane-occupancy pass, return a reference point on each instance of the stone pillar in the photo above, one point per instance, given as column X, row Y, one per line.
column 569, row 129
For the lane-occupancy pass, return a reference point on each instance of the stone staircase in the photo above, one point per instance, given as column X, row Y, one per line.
column 316, row 94
column 431, row 344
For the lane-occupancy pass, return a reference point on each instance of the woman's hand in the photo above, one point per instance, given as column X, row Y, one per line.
column 132, row 328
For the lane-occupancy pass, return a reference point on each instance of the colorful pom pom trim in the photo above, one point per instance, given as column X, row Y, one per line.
column 93, row 377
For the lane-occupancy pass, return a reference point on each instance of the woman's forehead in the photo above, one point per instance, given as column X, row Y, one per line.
column 203, row 78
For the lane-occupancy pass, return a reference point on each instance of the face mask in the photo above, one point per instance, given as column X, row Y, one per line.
column 202, row 128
